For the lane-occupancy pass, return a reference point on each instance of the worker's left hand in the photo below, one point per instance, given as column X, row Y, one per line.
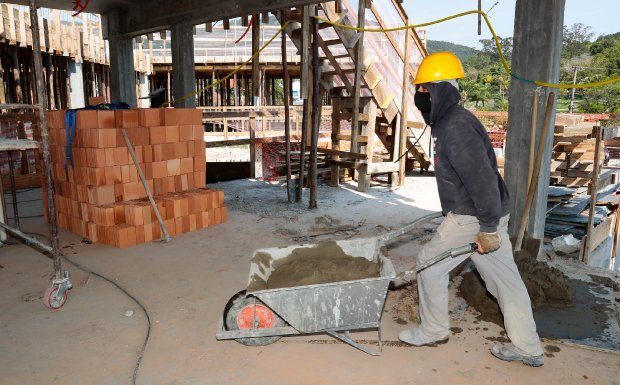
column 488, row 242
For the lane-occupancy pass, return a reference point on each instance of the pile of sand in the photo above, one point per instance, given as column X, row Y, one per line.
column 324, row 262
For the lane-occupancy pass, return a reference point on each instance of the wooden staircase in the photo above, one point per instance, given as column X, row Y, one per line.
column 378, row 108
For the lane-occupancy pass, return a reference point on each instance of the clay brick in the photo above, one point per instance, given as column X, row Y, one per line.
column 170, row 151
column 157, row 134
column 172, row 134
column 184, row 204
column 193, row 222
column 190, row 180
column 187, row 165
column 106, row 137
column 104, row 215
column 86, row 119
column 190, row 115
column 127, row 118
column 95, row 157
column 133, row 190
column 134, row 215
column 101, row 195
column 214, row 216
column 180, row 150
column 173, row 208
column 123, row 235
column 92, row 232
column 106, row 119
column 199, row 163
column 157, row 233
column 148, row 232
column 169, row 116
column 147, row 154
column 178, row 225
column 199, row 147
column 186, row 133
column 140, row 236
column 121, row 156
column 149, row 117
column 223, row 214
column 202, row 219
column 199, row 132
column 174, row 167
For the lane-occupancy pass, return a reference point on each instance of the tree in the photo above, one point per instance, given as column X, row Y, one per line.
column 576, row 40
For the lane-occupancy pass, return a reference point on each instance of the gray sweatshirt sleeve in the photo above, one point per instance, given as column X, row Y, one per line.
column 467, row 154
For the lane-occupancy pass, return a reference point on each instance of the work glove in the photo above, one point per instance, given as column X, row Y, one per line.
column 488, row 242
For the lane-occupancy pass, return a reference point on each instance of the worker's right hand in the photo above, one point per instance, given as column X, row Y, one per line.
column 488, row 242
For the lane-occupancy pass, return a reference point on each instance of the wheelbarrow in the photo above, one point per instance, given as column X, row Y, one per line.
column 261, row 317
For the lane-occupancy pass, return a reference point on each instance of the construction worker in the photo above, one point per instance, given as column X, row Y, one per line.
column 474, row 200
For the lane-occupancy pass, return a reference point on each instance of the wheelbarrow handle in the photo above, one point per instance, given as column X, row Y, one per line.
column 390, row 236
column 452, row 253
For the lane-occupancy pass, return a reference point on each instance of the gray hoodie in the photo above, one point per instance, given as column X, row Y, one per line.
column 465, row 165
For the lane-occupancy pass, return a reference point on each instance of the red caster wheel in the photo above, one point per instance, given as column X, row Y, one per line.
column 52, row 300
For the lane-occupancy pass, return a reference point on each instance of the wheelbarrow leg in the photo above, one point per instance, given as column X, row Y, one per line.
column 344, row 337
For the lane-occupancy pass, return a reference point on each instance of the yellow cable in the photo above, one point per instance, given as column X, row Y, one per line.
column 498, row 46
column 231, row 73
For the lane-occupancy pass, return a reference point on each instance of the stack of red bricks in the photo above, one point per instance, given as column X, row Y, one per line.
column 102, row 198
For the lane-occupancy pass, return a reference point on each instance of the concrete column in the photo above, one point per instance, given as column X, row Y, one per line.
column 183, row 67
column 143, row 90
column 536, row 56
column 122, row 71
column 76, row 84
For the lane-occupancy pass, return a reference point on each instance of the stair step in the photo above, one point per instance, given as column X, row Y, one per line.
column 334, row 72
column 332, row 42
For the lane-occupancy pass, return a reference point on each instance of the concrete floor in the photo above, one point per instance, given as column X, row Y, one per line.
column 186, row 283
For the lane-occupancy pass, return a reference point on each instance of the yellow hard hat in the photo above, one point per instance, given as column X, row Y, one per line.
column 439, row 66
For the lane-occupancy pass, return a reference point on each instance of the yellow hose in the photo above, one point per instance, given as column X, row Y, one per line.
column 498, row 46
column 237, row 68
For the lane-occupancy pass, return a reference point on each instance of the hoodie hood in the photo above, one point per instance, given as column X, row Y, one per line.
column 444, row 96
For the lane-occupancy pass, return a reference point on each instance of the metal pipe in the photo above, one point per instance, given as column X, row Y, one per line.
column 146, row 187
column 45, row 144
column 28, row 240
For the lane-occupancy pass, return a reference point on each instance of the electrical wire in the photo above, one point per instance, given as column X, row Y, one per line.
column 498, row 46
column 413, row 145
column 234, row 71
column 119, row 287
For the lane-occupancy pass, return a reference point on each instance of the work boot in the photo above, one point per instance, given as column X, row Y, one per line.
column 510, row 352
column 416, row 337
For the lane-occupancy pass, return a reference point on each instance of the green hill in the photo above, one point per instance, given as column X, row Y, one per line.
column 462, row 51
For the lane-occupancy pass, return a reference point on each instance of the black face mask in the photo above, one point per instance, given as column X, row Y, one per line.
column 422, row 101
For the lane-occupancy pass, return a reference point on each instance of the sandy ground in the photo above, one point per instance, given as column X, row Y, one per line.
column 186, row 283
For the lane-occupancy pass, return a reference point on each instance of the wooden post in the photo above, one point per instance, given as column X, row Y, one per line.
column 402, row 143
column 359, row 62
column 287, row 118
column 45, row 145
column 305, row 43
column 316, row 110
column 335, row 172
column 255, row 89
column 598, row 133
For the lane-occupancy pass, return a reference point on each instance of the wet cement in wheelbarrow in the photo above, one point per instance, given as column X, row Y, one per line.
column 324, row 262
column 563, row 308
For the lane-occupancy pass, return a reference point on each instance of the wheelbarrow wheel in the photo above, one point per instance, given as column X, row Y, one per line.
column 243, row 311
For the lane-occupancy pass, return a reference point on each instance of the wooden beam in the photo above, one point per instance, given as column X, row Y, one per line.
column 316, row 110
column 287, row 119
column 593, row 187
column 305, row 45
column 402, row 143
column 357, row 77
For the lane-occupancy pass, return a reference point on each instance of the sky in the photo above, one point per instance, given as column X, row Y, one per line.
column 601, row 15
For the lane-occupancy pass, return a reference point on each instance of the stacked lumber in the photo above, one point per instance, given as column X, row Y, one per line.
column 102, row 198
column 572, row 160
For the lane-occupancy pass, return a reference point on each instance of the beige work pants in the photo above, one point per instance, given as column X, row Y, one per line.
column 498, row 270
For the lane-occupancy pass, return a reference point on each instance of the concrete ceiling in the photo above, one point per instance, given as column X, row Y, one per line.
column 137, row 17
